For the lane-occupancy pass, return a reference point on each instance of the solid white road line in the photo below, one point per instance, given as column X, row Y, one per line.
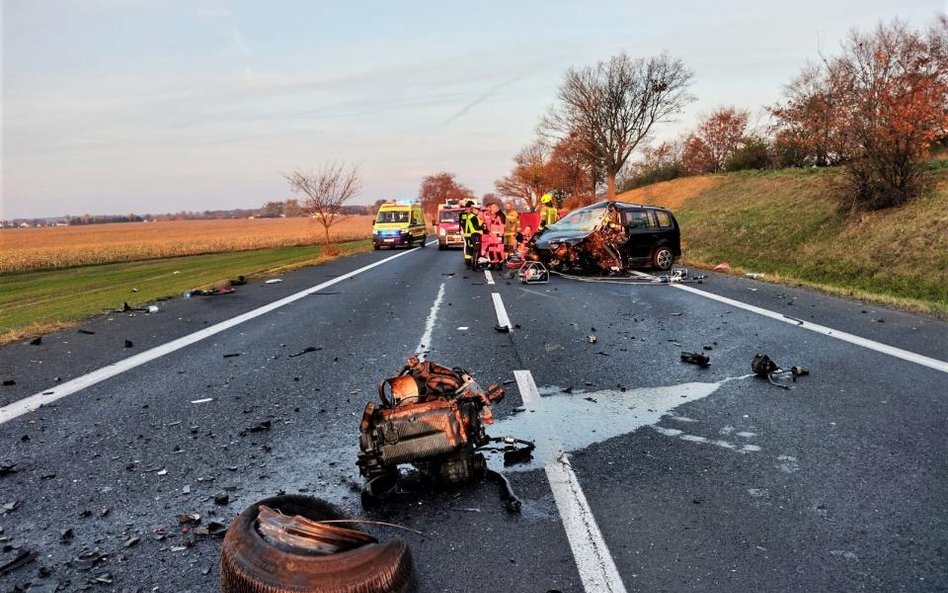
column 425, row 344
column 489, row 277
column 920, row 359
column 34, row 402
column 597, row 570
column 933, row 363
column 502, row 319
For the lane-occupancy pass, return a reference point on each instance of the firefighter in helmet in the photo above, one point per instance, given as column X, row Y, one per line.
column 473, row 229
column 548, row 213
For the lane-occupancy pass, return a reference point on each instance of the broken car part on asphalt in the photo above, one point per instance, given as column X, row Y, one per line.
column 764, row 367
column 286, row 544
column 433, row 418
column 533, row 272
column 702, row 360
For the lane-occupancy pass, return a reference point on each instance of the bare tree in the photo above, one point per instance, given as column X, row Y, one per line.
column 614, row 105
column 530, row 176
column 325, row 191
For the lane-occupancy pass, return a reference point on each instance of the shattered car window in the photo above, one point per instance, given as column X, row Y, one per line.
column 584, row 219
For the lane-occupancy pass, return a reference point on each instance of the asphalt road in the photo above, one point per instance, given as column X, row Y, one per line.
column 687, row 479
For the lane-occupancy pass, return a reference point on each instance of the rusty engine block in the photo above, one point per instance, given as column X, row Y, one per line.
column 431, row 417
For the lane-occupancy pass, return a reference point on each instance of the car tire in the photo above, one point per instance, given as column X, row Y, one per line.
column 424, row 241
column 376, row 246
column 662, row 258
column 251, row 564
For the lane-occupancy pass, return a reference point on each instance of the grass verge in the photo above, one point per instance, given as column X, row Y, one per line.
column 33, row 303
column 787, row 225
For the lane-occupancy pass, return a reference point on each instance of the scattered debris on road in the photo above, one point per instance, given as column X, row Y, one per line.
column 36, row 341
column 533, row 272
column 203, row 400
column 238, row 281
column 306, row 350
column 702, row 360
column 764, row 367
column 261, row 426
column 722, row 267
column 129, row 343
column 273, row 281
column 23, row 558
column 211, row 292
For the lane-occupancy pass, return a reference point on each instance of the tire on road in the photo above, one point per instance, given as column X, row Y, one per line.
column 251, row 564
column 663, row 258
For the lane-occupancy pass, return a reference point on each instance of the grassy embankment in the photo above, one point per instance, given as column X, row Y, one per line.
column 41, row 300
column 787, row 225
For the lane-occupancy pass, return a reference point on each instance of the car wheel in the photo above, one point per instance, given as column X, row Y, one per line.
column 251, row 564
column 424, row 241
column 441, row 246
column 376, row 246
column 663, row 258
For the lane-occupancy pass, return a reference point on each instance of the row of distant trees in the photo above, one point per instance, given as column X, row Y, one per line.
column 877, row 108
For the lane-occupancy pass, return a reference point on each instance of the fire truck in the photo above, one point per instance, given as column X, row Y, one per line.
column 448, row 226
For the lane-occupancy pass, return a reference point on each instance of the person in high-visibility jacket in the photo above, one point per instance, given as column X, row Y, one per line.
column 548, row 213
column 511, row 228
column 473, row 229
column 462, row 224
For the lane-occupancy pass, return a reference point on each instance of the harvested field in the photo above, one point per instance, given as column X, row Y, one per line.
column 64, row 247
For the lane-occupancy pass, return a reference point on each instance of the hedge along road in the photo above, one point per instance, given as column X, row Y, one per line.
column 685, row 472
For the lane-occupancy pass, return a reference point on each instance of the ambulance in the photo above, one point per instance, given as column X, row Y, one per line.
column 399, row 224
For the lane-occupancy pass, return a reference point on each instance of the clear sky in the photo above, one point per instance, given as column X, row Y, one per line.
column 119, row 106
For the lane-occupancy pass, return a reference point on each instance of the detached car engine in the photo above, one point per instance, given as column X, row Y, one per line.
column 432, row 417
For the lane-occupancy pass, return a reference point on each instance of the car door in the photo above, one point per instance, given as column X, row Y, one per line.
column 641, row 230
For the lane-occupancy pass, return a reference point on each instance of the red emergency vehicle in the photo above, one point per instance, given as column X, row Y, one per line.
column 448, row 228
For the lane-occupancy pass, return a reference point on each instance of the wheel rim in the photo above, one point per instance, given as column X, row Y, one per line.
column 663, row 258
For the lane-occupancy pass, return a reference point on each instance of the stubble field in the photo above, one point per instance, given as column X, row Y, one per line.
column 24, row 250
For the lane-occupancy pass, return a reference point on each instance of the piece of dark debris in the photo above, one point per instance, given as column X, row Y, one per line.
column 129, row 344
column 86, row 332
column 261, row 426
column 306, row 350
column 22, row 559
column 36, row 341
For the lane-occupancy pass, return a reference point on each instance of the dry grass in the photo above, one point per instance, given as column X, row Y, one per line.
column 64, row 247
column 787, row 224
column 671, row 194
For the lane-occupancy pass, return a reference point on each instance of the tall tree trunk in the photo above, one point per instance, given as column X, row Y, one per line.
column 611, row 185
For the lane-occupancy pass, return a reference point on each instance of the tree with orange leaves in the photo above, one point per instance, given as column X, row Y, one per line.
column 437, row 188
column 718, row 136
column 879, row 106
